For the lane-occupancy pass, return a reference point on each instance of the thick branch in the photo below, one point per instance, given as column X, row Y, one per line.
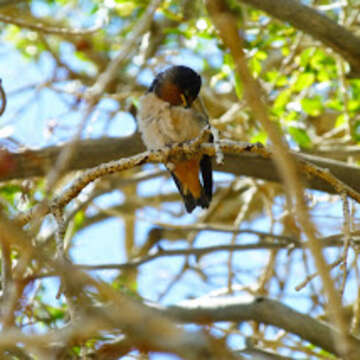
column 317, row 25
column 263, row 310
column 168, row 154
column 93, row 152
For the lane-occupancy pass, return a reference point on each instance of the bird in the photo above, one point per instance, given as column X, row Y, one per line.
column 167, row 115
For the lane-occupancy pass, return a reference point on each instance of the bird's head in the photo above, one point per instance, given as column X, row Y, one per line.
column 178, row 85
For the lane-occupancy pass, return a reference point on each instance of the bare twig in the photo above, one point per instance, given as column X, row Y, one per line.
column 224, row 228
column 64, row 158
column 355, row 321
column 198, row 252
column 2, row 99
column 239, row 219
column 259, row 354
column 36, row 25
column 58, row 215
column 347, row 239
column 314, row 275
column 6, row 266
column 7, row 285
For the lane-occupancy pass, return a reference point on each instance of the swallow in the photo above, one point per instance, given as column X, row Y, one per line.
column 167, row 116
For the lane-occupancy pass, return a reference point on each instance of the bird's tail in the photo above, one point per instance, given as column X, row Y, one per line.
column 186, row 177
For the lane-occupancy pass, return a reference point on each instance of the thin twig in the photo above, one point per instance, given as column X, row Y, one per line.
column 35, row 25
column 347, row 239
column 225, row 228
column 2, row 98
column 355, row 321
column 6, row 266
column 239, row 219
column 58, row 214
column 283, row 243
column 7, row 285
column 314, row 275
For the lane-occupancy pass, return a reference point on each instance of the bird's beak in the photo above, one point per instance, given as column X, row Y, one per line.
column 184, row 100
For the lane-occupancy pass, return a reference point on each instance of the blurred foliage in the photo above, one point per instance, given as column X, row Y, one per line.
column 308, row 95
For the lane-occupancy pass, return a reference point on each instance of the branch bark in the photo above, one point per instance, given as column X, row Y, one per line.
column 263, row 310
column 93, row 152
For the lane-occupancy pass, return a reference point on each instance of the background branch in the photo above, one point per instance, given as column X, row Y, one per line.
column 90, row 153
column 263, row 310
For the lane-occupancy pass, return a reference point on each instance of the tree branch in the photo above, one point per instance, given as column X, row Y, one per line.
column 198, row 252
column 262, row 310
column 90, row 153
column 37, row 24
column 189, row 149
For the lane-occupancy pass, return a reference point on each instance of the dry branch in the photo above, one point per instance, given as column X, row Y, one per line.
column 90, row 153
column 37, row 25
column 198, row 252
column 263, row 310
column 149, row 330
column 2, row 99
column 163, row 156
column 139, row 320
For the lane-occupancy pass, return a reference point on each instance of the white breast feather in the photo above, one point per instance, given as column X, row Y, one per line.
column 156, row 123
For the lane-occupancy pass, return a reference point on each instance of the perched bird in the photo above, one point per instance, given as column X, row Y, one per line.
column 167, row 116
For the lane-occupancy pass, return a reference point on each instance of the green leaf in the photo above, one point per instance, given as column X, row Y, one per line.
column 305, row 56
column 9, row 192
column 255, row 66
column 312, row 106
column 354, row 105
column 300, row 136
column 291, row 116
column 340, row 120
column 94, row 9
column 79, row 219
column 77, row 350
column 356, row 131
column 304, row 81
column 238, row 86
column 56, row 313
column 323, row 75
column 335, row 104
column 260, row 137
column 281, row 101
column 125, row 8
column 228, row 60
